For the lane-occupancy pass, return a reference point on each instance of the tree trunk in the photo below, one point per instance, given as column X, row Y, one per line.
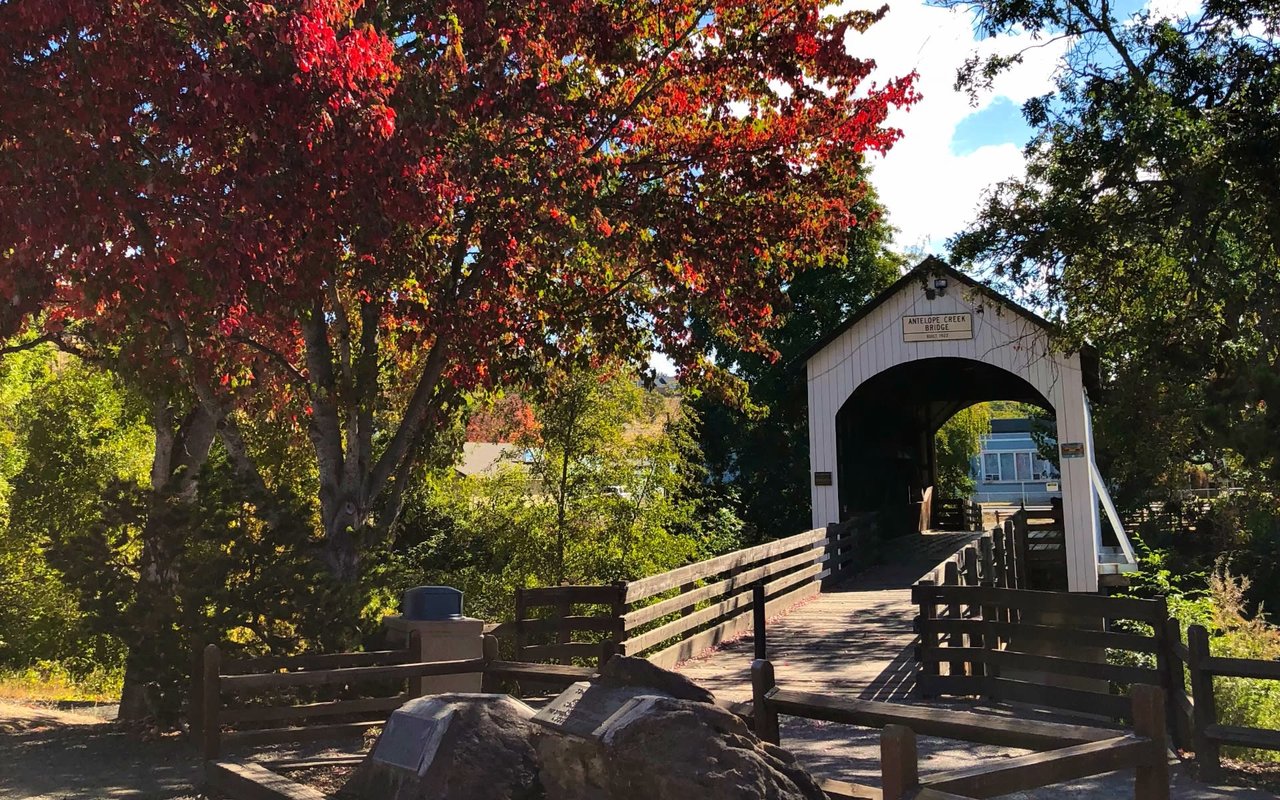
column 181, row 451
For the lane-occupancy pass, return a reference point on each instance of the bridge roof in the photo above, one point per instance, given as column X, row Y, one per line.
column 932, row 266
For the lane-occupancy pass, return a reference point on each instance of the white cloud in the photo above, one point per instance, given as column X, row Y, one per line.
column 1173, row 9
column 931, row 192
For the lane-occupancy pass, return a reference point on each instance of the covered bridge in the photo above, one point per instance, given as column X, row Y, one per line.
column 932, row 344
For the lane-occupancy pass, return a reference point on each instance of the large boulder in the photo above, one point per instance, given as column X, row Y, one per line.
column 452, row 747
column 665, row 748
column 633, row 671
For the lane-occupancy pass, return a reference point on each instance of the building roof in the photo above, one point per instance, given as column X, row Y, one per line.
column 1011, row 425
column 483, row 458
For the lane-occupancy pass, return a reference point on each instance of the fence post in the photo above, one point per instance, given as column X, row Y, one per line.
column 758, row 620
column 764, row 716
column 928, row 659
column 1152, row 779
column 522, row 611
column 1164, row 667
column 1020, row 551
column 618, row 610
column 899, row 764
column 951, row 577
column 1208, row 752
column 489, row 647
column 1181, row 722
column 417, row 654
column 986, row 548
column 211, row 700
column 970, row 565
column 971, row 612
column 195, row 691
column 1013, row 570
column 1001, row 567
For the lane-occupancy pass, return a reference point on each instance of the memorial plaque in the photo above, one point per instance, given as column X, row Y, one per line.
column 413, row 734
column 1072, row 449
column 587, row 709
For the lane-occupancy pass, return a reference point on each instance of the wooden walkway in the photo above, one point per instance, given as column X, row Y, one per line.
column 854, row 639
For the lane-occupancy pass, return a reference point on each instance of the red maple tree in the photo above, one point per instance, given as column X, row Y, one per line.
column 364, row 210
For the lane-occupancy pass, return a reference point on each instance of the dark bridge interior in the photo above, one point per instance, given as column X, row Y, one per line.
column 885, row 430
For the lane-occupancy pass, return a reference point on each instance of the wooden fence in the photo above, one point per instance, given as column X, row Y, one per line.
column 676, row 614
column 956, row 514
column 1047, row 648
column 1068, row 751
column 1196, row 714
column 568, row 623
column 270, row 702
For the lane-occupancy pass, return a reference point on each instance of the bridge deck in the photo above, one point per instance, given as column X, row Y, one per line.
column 854, row 638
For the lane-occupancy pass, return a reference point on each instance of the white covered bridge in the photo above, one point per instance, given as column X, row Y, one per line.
column 933, row 343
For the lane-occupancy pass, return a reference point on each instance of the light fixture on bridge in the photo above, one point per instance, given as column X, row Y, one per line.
column 940, row 286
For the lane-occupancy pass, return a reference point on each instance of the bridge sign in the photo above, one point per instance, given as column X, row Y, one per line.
column 937, row 327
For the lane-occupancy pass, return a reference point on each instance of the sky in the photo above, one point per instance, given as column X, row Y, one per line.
column 951, row 150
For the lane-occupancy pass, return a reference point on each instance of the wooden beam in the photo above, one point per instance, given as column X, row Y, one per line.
column 943, row 723
column 249, row 781
column 1044, row 769
column 238, row 684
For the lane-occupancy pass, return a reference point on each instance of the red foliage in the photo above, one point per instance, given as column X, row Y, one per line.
column 486, row 183
column 507, row 420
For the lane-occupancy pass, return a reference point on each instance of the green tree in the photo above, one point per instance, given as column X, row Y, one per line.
column 71, row 433
column 956, row 444
column 757, row 453
column 606, row 485
column 1149, row 216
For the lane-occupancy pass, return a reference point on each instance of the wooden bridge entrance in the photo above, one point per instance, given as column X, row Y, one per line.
column 856, row 638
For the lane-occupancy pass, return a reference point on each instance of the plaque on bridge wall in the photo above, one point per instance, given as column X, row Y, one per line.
column 822, row 479
column 937, row 327
column 1072, row 449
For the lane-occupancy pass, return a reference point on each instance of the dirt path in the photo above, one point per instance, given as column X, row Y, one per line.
column 48, row 754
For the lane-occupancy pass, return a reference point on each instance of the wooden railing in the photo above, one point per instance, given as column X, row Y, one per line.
column 956, row 514
column 1068, row 752
column 997, row 559
column 568, row 623
column 1196, row 713
column 1047, row 648
column 674, row 615
column 275, row 700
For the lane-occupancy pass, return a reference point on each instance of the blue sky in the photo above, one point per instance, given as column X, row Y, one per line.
column 933, row 180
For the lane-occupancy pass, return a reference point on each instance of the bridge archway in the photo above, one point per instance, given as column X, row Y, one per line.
column 935, row 342
column 885, row 428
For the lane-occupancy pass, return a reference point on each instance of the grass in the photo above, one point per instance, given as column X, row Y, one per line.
column 51, row 682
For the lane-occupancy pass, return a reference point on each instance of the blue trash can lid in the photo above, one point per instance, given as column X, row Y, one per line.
column 432, row 603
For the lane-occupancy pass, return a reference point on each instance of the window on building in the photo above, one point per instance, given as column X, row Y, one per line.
column 990, row 467
column 1016, row 467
